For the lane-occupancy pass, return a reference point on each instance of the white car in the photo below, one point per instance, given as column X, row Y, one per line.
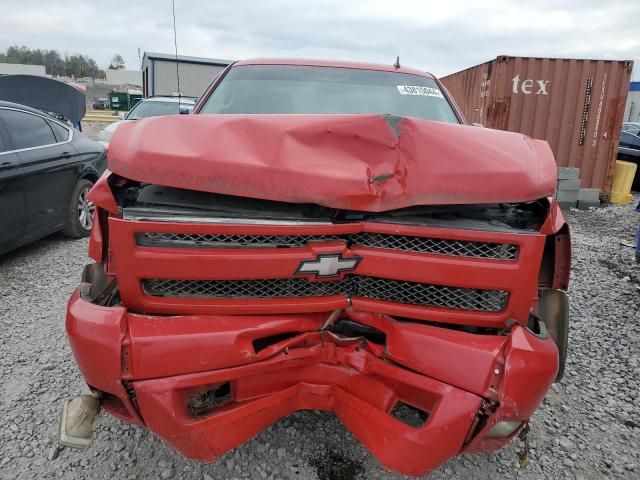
column 149, row 107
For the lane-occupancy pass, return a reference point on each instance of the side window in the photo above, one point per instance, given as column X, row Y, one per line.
column 3, row 146
column 61, row 133
column 27, row 130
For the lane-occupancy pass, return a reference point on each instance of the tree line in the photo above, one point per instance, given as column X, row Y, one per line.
column 66, row 65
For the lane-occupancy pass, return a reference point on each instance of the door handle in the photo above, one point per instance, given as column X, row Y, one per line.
column 7, row 165
column 65, row 155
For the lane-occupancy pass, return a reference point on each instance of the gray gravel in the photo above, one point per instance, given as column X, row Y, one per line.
column 93, row 129
column 588, row 427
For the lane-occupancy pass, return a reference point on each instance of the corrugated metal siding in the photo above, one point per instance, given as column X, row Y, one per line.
column 472, row 83
column 575, row 105
column 194, row 78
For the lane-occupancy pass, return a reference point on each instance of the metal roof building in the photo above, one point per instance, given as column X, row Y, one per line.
column 196, row 73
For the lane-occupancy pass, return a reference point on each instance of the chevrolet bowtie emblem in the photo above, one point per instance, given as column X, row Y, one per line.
column 328, row 265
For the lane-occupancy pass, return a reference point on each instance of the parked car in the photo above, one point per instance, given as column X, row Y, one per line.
column 101, row 104
column 629, row 148
column 633, row 126
column 149, row 107
column 322, row 235
column 46, row 171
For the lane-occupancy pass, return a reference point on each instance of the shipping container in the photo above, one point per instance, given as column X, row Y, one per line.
column 575, row 105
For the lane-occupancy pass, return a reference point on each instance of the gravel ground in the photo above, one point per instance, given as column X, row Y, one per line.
column 92, row 129
column 588, row 427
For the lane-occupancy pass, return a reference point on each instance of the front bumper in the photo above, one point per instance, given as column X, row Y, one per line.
column 149, row 370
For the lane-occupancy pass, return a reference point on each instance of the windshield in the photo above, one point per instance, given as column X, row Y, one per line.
column 278, row 89
column 155, row 108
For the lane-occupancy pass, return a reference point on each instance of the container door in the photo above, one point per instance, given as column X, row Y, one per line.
column 498, row 97
column 479, row 114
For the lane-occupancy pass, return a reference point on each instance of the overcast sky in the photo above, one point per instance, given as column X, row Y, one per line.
column 441, row 36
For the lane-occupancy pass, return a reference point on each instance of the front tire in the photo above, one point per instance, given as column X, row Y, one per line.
column 80, row 216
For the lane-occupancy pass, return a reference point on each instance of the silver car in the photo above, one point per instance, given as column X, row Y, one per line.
column 150, row 107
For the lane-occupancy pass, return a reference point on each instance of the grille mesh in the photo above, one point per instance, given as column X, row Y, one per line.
column 271, row 288
column 463, row 248
column 229, row 241
column 370, row 287
column 432, row 295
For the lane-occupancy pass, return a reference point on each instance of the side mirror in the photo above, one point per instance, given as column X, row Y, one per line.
column 121, row 115
column 184, row 111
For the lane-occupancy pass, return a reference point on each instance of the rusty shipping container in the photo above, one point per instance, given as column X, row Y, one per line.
column 575, row 105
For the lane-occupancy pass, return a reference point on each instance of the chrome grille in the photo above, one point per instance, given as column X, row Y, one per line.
column 462, row 248
column 397, row 291
column 432, row 295
column 271, row 288
column 150, row 239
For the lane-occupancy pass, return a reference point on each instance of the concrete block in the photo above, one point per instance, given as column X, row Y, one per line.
column 589, row 195
column 569, row 184
column 566, row 173
column 586, row 205
column 567, row 195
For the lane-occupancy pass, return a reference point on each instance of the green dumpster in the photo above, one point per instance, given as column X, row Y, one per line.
column 124, row 101
column 118, row 101
column 135, row 96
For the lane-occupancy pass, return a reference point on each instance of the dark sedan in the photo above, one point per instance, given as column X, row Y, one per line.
column 46, row 171
column 101, row 104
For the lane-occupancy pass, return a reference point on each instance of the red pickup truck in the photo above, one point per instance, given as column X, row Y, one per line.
column 322, row 235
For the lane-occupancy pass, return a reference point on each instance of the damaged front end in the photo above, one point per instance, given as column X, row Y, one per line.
column 209, row 316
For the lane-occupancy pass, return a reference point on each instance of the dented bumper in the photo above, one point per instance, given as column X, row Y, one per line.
column 207, row 383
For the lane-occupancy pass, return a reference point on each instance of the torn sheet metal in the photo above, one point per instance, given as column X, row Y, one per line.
column 350, row 377
column 356, row 162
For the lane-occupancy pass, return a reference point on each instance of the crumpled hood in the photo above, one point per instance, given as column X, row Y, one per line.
column 356, row 162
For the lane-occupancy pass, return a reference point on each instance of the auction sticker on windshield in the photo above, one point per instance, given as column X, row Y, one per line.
column 416, row 90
